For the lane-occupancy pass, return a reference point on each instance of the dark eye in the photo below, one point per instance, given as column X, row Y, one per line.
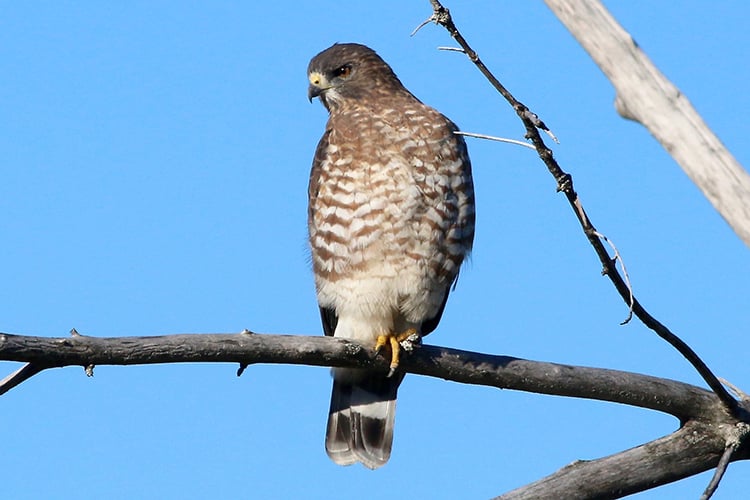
column 343, row 71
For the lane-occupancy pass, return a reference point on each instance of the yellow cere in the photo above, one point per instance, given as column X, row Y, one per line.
column 315, row 78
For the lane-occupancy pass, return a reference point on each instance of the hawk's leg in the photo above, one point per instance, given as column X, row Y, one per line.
column 394, row 340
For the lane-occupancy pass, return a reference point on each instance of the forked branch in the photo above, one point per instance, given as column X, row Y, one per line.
column 533, row 124
column 703, row 414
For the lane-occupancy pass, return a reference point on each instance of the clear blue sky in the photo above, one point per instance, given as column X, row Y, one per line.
column 155, row 158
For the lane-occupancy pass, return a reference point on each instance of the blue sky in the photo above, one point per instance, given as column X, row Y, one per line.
column 155, row 158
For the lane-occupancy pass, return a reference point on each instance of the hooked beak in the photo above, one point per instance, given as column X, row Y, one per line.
column 318, row 85
column 313, row 91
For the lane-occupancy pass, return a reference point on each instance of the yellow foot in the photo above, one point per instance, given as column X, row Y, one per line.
column 394, row 340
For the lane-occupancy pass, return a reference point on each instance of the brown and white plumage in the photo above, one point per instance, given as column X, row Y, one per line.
column 391, row 219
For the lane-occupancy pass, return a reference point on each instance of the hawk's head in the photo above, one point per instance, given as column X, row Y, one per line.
column 349, row 71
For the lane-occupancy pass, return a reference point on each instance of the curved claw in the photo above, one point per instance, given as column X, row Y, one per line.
column 395, row 342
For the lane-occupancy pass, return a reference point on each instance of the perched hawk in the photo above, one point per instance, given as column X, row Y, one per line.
column 390, row 219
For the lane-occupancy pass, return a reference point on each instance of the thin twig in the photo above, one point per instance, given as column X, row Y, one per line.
column 422, row 25
column 738, row 434
column 20, row 376
column 721, row 468
column 538, row 123
column 493, row 138
column 739, row 393
column 442, row 17
column 617, row 258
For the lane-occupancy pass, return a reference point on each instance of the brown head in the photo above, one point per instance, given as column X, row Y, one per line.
column 350, row 71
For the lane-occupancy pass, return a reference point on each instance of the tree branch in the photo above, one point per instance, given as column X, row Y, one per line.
column 19, row 376
column 692, row 449
column 684, row 401
column 532, row 123
column 651, row 464
column 646, row 96
column 706, row 429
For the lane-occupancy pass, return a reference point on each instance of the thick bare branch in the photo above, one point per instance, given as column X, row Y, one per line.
column 681, row 400
column 645, row 95
column 694, row 448
column 706, row 417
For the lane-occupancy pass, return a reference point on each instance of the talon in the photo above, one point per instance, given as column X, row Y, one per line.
column 381, row 342
column 395, row 351
column 408, row 337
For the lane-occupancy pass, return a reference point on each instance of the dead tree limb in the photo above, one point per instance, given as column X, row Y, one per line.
column 683, row 401
column 646, row 96
column 575, row 481
column 442, row 17
column 631, row 471
column 698, row 445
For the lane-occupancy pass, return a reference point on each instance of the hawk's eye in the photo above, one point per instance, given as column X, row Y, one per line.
column 343, row 71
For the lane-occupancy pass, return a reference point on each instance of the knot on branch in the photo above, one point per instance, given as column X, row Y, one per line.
column 738, row 434
column 441, row 16
column 564, row 183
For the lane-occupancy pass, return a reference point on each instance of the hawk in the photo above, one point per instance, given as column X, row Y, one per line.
column 390, row 221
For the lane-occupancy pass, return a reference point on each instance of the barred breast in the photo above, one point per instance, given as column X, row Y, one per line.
column 391, row 214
